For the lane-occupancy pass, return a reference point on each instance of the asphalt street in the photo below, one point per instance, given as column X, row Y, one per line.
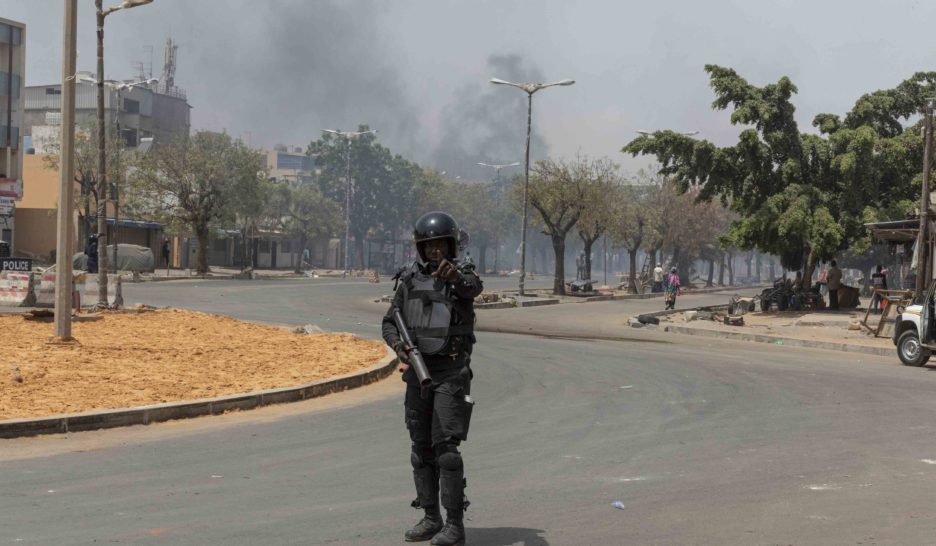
column 704, row 442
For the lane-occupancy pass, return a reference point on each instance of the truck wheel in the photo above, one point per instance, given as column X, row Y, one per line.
column 910, row 351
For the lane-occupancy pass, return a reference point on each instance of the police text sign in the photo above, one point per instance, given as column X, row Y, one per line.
column 15, row 264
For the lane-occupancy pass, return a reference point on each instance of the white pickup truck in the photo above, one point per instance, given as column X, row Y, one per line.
column 914, row 332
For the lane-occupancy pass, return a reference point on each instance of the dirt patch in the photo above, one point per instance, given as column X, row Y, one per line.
column 125, row 360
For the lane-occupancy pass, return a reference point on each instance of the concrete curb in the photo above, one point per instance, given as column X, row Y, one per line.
column 780, row 340
column 144, row 415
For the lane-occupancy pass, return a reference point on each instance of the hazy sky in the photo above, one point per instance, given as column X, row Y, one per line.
column 281, row 70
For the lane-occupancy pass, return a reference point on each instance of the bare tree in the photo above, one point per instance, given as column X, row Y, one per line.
column 557, row 191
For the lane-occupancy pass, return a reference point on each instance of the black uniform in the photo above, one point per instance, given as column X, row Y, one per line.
column 438, row 422
column 91, row 251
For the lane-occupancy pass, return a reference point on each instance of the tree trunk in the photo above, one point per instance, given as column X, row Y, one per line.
column 711, row 273
column 301, row 252
column 731, row 269
column 201, row 231
column 632, row 270
column 773, row 271
column 558, row 244
column 588, row 260
column 757, row 273
column 750, row 260
column 482, row 259
column 808, row 268
column 721, row 270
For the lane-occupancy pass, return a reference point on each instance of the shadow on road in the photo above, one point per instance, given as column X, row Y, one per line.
column 506, row 536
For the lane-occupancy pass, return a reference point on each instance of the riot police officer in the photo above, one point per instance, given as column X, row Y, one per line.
column 436, row 298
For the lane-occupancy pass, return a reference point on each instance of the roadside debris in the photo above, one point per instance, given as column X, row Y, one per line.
column 617, row 504
column 308, row 329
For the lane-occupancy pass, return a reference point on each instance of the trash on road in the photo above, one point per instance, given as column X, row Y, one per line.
column 618, row 504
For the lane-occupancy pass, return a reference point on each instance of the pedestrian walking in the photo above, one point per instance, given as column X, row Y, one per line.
column 878, row 282
column 580, row 267
column 436, row 298
column 165, row 252
column 91, row 251
column 658, row 279
column 834, row 283
column 671, row 288
column 824, row 281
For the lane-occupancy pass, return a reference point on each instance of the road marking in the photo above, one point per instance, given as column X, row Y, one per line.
column 823, row 487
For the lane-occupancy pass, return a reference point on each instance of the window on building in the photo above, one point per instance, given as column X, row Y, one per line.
column 265, row 246
column 131, row 106
column 219, row 245
column 53, row 91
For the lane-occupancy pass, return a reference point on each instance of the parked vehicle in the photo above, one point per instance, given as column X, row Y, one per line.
column 914, row 333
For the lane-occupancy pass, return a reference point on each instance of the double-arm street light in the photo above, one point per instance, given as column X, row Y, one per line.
column 529, row 89
column 348, row 136
column 102, row 156
column 118, row 88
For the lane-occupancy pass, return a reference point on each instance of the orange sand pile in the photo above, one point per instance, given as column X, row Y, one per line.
column 124, row 360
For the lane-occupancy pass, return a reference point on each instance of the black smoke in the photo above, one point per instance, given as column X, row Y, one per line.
column 487, row 123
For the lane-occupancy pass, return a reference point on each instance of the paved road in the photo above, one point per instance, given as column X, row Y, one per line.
column 704, row 442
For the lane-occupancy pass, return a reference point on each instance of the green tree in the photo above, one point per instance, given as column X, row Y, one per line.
column 188, row 181
column 382, row 183
column 797, row 195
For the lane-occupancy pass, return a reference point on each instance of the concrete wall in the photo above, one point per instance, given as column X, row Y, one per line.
column 35, row 232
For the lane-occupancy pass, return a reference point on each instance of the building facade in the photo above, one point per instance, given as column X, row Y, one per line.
column 292, row 165
column 141, row 113
column 12, row 81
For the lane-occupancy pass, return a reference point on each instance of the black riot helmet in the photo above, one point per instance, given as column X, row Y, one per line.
column 436, row 225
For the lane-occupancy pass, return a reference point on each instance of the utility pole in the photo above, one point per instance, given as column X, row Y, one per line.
column 65, row 234
column 102, row 162
column 923, row 269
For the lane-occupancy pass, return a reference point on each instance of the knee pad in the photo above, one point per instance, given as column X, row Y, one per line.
column 420, row 460
column 451, row 460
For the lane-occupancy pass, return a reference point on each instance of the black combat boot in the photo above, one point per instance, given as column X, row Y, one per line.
column 453, row 499
column 427, row 527
column 426, row 477
column 453, row 534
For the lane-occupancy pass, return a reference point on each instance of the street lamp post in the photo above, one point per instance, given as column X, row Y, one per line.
column 84, row 77
column 348, row 136
column 102, row 155
column 529, row 89
column 64, row 232
column 119, row 89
